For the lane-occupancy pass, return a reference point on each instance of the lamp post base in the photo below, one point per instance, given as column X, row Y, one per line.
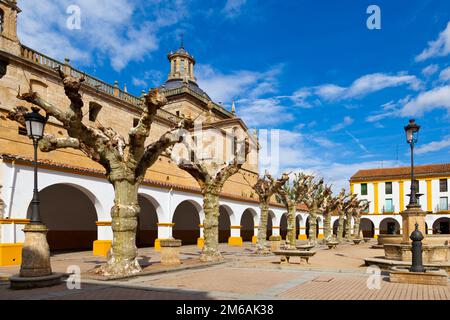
column 17, row 282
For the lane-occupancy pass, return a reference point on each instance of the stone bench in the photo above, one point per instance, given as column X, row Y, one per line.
column 332, row 244
column 285, row 255
column 305, row 247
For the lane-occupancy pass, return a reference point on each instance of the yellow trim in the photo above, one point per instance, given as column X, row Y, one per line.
column 200, row 242
column 101, row 247
column 352, row 188
column 235, row 227
column 157, row 244
column 302, row 237
column 165, row 224
column 200, row 225
column 256, row 227
column 320, row 236
column 401, row 187
column 401, row 180
column 375, row 198
column 103, row 223
column 16, row 221
column 275, row 227
column 235, row 241
column 10, row 254
column 254, row 239
column 429, row 196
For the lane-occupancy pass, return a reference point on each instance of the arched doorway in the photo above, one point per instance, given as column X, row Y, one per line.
column 298, row 223
column 224, row 224
column 441, row 226
column 247, row 224
column 69, row 213
column 283, row 226
column 367, row 227
column 147, row 229
column 186, row 219
column 317, row 226
column 270, row 220
column 389, row 226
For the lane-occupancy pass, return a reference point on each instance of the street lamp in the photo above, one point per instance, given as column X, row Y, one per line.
column 412, row 136
column 35, row 124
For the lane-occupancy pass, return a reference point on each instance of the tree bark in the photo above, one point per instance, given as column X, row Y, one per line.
column 290, row 237
column 124, row 213
column 356, row 227
column 327, row 225
column 262, row 228
column 210, row 250
column 348, row 226
column 340, row 230
column 313, row 226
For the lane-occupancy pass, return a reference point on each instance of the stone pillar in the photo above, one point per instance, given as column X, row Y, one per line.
column 164, row 232
column 376, row 233
column 320, row 235
column 412, row 215
column 275, row 230
column 255, row 234
column 35, row 252
column 302, row 233
column 235, row 238
column 201, row 239
column 170, row 252
column 103, row 243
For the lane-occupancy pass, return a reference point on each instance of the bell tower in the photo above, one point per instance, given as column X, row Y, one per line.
column 181, row 65
column 8, row 26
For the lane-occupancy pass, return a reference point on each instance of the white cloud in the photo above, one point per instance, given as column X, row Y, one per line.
column 445, row 75
column 436, row 98
column 430, row 70
column 358, row 142
column 345, row 123
column 438, row 48
column 233, row 7
column 434, row 146
column 263, row 112
column 108, row 29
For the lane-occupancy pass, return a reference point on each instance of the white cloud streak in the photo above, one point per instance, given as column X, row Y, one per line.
column 438, row 48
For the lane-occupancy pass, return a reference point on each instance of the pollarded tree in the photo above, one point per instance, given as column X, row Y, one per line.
column 265, row 188
column 360, row 206
column 329, row 204
column 347, row 211
column 313, row 201
column 340, row 201
column 290, row 196
column 125, row 162
column 211, row 175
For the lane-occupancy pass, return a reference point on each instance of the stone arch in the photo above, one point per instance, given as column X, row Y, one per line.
column 389, row 226
column 70, row 213
column 367, row 227
column 147, row 229
column 248, row 224
column 186, row 219
column 441, row 226
column 283, row 226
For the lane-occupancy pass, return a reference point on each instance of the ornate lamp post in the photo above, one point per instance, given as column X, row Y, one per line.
column 35, row 269
column 412, row 136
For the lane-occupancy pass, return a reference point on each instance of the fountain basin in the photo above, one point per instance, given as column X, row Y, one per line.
column 431, row 276
column 402, row 252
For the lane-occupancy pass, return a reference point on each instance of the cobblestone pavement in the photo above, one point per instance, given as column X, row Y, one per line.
column 332, row 274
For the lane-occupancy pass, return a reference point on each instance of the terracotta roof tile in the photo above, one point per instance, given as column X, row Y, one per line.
column 429, row 170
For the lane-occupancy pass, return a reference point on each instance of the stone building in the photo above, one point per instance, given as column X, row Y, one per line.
column 387, row 191
column 76, row 197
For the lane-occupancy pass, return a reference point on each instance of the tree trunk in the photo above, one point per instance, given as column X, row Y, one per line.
column 122, row 255
column 327, row 226
column 313, row 226
column 262, row 229
column 356, row 227
column 348, row 226
column 290, row 237
column 210, row 250
column 340, row 230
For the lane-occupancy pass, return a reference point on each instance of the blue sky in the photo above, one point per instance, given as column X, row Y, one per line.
column 339, row 92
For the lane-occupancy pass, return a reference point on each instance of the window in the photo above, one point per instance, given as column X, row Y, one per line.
column 364, row 189
column 2, row 17
column 443, row 185
column 388, row 187
column 182, row 66
column 443, row 203
column 389, row 205
column 94, row 109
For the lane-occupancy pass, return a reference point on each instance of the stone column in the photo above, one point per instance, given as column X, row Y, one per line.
column 412, row 215
column 376, row 233
column 255, row 234
column 302, row 233
column 235, row 238
column 101, row 246
column 320, row 235
column 164, row 232
column 201, row 239
column 275, row 230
